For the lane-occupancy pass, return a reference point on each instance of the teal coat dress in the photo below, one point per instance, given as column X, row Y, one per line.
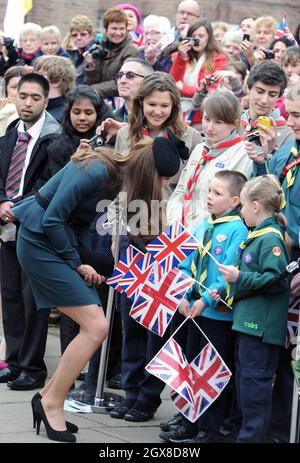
column 48, row 237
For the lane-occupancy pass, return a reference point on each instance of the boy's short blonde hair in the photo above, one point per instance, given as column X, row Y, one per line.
column 57, row 69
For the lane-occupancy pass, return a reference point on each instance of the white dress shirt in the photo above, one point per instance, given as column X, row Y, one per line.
column 34, row 133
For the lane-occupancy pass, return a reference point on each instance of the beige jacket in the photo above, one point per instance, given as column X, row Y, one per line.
column 234, row 158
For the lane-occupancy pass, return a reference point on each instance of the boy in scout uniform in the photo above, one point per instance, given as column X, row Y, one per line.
column 260, row 286
column 221, row 234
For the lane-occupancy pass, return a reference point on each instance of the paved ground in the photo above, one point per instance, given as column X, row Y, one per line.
column 16, row 418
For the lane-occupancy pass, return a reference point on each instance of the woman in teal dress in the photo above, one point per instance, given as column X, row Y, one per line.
column 54, row 223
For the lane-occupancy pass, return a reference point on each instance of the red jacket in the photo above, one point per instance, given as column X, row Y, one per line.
column 178, row 70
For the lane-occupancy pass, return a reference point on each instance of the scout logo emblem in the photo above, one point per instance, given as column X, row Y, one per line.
column 276, row 251
column 220, row 238
column 218, row 250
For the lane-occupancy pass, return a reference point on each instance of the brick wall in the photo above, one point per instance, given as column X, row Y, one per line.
column 59, row 12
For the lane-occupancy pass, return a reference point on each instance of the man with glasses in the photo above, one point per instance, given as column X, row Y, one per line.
column 188, row 11
column 129, row 79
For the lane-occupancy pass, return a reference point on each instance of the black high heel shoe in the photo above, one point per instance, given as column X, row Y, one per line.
column 59, row 436
column 71, row 427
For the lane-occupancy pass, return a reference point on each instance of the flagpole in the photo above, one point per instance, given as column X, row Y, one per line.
column 207, row 289
column 105, row 401
column 295, row 420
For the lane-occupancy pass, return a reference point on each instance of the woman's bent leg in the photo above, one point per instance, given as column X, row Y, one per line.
column 93, row 331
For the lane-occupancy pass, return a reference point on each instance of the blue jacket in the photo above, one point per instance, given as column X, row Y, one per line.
column 72, row 194
column 275, row 165
column 226, row 239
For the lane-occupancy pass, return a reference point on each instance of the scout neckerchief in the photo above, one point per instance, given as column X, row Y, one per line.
column 250, row 237
column 207, row 155
column 289, row 172
column 207, row 243
column 249, row 126
column 146, row 134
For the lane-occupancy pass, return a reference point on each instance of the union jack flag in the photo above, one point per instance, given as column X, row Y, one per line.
column 284, row 31
column 172, row 246
column 127, row 260
column 292, row 325
column 210, row 376
column 137, row 38
column 184, row 406
column 133, row 281
column 159, row 298
column 171, row 366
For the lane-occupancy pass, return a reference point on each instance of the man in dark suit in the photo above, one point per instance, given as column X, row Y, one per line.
column 23, row 169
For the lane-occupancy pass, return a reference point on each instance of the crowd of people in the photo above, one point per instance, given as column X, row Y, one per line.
column 202, row 117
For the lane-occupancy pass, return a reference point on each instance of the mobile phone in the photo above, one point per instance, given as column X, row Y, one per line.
column 265, row 121
column 246, row 37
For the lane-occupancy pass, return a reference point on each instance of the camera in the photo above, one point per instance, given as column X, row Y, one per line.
column 191, row 39
column 246, row 37
column 210, row 80
column 254, row 137
column 98, row 140
column 8, row 42
column 98, row 51
column 269, row 54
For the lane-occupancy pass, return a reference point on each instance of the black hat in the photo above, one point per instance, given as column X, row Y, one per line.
column 168, row 153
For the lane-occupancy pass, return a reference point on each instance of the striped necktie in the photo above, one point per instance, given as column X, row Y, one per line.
column 16, row 165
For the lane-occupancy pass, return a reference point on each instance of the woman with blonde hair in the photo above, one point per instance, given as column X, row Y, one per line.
column 54, row 223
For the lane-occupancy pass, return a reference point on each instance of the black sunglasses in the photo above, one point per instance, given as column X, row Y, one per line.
column 129, row 75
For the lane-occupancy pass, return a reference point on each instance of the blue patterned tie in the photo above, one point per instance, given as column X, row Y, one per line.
column 16, row 165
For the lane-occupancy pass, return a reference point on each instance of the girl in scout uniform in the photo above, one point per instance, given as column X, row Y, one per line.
column 261, row 289
column 223, row 149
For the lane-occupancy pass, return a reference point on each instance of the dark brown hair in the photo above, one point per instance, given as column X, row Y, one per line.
column 142, row 182
column 223, row 106
column 114, row 15
column 161, row 82
column 112, row 161
column 212, row 47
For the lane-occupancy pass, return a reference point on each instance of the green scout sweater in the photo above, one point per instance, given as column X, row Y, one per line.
column 263, row 314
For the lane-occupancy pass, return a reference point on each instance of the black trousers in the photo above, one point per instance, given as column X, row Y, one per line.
column 257, row 363
column 25, row 327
